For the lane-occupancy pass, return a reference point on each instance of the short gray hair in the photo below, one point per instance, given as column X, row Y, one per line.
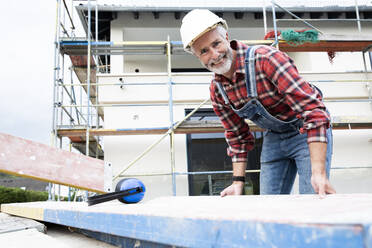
column 222, row 32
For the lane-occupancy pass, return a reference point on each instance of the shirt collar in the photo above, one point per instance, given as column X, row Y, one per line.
column 240, row 49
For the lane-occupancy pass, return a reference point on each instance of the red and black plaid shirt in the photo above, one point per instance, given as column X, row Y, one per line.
column 281, row 90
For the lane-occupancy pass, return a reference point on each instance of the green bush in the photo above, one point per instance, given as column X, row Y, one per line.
column 11, row 195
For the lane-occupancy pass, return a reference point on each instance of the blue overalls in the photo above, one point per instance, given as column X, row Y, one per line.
column 285, row 150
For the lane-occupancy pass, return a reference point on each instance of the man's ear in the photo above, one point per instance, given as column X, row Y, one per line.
column 193, row 52
column 227, row 36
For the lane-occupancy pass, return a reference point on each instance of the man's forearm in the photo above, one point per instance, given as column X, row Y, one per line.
column 318, row 152
column 239, row 169
column 319, row 181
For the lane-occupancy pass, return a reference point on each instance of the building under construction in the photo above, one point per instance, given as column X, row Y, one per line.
column 142, row 84
column 126, row 93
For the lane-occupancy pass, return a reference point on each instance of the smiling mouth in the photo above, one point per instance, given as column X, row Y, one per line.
column 219, row 62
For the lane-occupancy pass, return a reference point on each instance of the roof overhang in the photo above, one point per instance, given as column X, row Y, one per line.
column 219, row 6
column 225, row 6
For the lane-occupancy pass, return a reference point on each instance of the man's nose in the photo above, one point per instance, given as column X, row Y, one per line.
column 214, row 53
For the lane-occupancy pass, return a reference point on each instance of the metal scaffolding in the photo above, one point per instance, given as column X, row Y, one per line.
column 89, row 56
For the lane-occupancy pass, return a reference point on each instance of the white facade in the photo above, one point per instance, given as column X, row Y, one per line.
column 352, row 148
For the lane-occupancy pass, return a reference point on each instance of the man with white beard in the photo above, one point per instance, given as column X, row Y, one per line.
column 262, row 84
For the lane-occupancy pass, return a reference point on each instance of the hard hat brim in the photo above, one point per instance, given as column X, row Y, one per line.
column 188, row 47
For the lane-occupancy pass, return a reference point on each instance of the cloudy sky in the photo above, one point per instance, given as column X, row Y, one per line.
column 26, row 78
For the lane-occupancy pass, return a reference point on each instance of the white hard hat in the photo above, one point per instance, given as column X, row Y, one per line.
column 196, row 23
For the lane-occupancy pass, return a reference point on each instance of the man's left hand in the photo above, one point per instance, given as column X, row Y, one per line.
column 319, row 180
column 321, row 185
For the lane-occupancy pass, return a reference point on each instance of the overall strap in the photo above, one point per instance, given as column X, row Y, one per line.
column 250, row 72
column 223, row 93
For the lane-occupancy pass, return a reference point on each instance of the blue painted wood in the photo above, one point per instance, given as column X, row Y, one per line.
column 368, row 236
column 122, row 242
column 189, row 232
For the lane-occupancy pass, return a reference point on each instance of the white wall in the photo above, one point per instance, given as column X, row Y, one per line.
column 352, row 148
column 121, row 150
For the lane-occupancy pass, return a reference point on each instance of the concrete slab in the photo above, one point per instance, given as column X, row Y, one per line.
column 10, row 223
column 22, row 232
column 29, row 238
column 236, row 221
column 74, row 239
column 56, row 237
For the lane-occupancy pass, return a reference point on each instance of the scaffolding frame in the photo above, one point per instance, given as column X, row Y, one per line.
column 85, row 53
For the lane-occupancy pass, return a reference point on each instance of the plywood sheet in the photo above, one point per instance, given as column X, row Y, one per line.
column 26, row 158
column 236, row 221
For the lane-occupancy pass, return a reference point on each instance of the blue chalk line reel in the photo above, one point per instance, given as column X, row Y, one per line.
column 128, row 190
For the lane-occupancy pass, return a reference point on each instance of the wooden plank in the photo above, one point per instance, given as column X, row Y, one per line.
column 198, row 101
column 341, row 37
column 325, row 46
column 328, row 42
column 340, row 220
column 81, row 73
column 81, row 61
column 74, row 134
column 80, row 68
column 149, row 102
column 210, row 126
column 30, row 159
column 94, row 151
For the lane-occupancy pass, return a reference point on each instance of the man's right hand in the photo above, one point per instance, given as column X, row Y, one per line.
column 236, row 188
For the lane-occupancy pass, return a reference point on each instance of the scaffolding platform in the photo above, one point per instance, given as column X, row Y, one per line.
column 78, row 47
column 327, row 42
column 95, row 149
column 79, row 141
column 333, row 43
column 79, row 65
column 203, row 126
column 340, row 220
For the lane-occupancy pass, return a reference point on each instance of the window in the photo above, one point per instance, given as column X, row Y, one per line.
column 207, row 152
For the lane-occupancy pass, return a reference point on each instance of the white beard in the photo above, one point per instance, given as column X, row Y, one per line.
column 225, row 67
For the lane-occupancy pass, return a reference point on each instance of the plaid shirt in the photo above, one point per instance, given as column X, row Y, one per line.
column 281, row 90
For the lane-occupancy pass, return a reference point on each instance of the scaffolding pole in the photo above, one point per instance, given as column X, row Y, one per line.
column 97, row 63
column 368, row 82
column 88, row 79
column 62, row 80
column 264, row 16
column 357, row 16
column 56, row 76
column 276, row 43
column 291, row 14
column 171, row 135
